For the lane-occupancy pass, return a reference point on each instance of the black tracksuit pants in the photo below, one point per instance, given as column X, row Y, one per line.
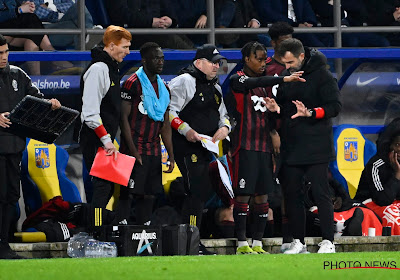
column 10, row 175
column 293, row 181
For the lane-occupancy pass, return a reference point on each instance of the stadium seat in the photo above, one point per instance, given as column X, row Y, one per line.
column 97, row 8
column 43, row 175
column 353, row 151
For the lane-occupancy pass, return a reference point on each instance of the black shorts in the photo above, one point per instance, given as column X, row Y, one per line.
column 147, row 177
column 252, row 173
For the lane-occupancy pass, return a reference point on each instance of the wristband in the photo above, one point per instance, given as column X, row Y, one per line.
column 176, row 123
column 319, row 113
column 100, row 131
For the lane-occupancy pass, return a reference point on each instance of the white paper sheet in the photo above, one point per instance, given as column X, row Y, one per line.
column 207, row 143
column 225, row 178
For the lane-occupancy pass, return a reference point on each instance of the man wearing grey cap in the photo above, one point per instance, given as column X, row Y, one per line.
column 197, row 107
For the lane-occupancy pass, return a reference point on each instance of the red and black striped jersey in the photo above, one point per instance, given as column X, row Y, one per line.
column 144, row 130
column 273, row 68
column 252, row 130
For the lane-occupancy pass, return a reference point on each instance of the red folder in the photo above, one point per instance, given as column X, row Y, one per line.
column 117, row 171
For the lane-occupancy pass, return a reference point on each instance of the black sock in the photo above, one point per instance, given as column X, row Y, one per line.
column 240, row 211
column 124, row 206
column 144, row 209
column 287, row 236
column 260, row 220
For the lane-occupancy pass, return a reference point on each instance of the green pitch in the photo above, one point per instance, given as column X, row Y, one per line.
column 296, row 267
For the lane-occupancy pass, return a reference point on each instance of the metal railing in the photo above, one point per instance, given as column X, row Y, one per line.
column 211, row 31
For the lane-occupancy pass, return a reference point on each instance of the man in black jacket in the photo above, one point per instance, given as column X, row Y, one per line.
column 196, row 108
column 379, row 187
column 101, row 105
column 307, row 139
column 252, row 146
column 15, row 84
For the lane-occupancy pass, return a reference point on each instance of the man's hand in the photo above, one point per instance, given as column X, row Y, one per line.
column 253, row 23
column 221, row 134
column 166, row 22
column 55, row 104
column 395, row 164
column 271, row 105
column 171, row 165
column 27, row 7
column 192, row 136
column 110, row 150
column 396, row 14
column 295, row 77
column 201, row 22
column 157, row 22
column 138, row 158
column 4, row 120
column 305, row 24
column 302, row 110
column 337, row 203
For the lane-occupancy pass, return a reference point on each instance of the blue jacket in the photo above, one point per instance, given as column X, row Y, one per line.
column 8, row 9
column 271, row 11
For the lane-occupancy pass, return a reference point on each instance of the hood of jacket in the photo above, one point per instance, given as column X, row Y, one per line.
column 100, row 55
column 314, row 60
column 196, row 73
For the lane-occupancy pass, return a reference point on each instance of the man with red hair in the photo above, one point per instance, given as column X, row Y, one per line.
column 101, row 105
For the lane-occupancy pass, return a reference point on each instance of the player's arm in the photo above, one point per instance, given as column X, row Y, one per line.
column 166, row 135
column 126, row 107
column 382, row 184
column 96, row 85
column 243, row 83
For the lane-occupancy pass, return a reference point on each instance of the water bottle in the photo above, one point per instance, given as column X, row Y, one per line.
column 99, row 249
column 76, row 245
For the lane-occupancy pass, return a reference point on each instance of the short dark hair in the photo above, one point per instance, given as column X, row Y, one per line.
column 280, row 28
column 147, row 47
column 3, row 40
column 251, row 47
column 290, row 45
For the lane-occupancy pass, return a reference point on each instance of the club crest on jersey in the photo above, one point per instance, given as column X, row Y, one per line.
column 141, row 108
column 14, row 84
column 350, row 150
column 193, row 158
column 275, row 87
column 242, row 183
column 42, row 158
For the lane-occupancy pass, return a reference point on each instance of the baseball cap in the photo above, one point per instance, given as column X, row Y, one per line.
column 209, row 52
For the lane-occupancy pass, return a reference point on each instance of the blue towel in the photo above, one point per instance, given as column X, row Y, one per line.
column 154, row 106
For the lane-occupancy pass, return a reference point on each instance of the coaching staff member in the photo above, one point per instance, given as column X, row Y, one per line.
column 197, row 108
column 101, row 104
column 15, row 84
column 307, row 139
